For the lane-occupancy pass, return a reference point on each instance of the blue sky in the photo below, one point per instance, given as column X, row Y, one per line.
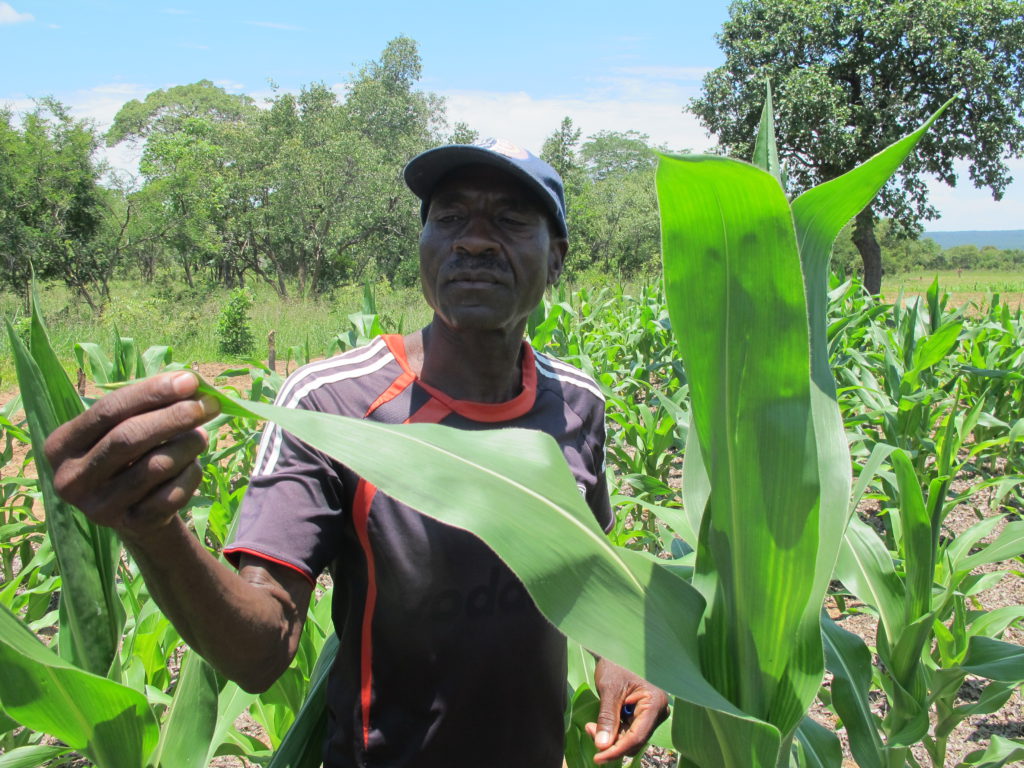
column 511, row 70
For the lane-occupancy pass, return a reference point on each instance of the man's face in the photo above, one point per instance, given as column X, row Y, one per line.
column 486, row 251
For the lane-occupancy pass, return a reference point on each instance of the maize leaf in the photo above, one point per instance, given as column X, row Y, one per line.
column 816, row 746
column 187, row 731
column 995, row 659
column 231, row 703
column 919, row 557
column 1008, row 544
column 732, row 280
column 766, row 152
column 849, row 661
column 1000, row 752
column 302, row 746
column 31, row 756
column 86, row 553
column 109, row 723
column 99, row 364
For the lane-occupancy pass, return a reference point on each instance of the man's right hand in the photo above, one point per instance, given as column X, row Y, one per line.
column 129, row 462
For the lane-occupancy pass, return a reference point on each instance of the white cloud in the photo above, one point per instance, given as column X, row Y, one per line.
column 229, row 85
column 528, row 121
column 10, row 16
column 117, row 89
column 620, row 106
column 18, row 106
column 274, row 25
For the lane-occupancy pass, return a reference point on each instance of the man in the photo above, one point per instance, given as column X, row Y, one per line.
column 444, row 660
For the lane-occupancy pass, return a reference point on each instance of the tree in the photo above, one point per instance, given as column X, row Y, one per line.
column 607, row 153
column 852, row 76
column 612, row 211
column 399, row 121
column 383, row 105
column 559, row 151
column 622, row 226
column 51, row 205
column 307, row 190
column 166, row 111
column 190, row 135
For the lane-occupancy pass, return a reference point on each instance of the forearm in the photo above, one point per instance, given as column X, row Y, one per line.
column 244, row 628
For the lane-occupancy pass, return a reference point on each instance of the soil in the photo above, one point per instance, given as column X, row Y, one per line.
column 972, row 734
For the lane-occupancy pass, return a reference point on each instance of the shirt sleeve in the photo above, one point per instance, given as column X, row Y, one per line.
column 597, row 494
column 293, row 509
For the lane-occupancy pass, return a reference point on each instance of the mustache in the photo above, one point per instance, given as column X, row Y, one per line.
column 477, row 264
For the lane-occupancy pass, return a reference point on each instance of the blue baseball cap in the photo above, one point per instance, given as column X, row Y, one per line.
column 428, row 168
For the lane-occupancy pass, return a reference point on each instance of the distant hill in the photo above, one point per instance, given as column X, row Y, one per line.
column 1000, row 238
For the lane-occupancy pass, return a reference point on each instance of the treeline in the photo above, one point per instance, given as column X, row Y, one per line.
column 303, row 192
column 902, row 254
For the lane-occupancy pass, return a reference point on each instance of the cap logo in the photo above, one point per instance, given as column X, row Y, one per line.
column 504, row 147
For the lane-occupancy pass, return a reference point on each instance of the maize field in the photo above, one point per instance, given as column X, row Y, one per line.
column 790, row 460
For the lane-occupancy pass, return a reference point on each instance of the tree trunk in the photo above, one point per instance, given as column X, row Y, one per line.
column 84, row 295
column 870, row 250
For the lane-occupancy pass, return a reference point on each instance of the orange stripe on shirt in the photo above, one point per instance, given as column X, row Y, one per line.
column 512, row 409
column 361, row 518
column 405, row 378
column 431, row 413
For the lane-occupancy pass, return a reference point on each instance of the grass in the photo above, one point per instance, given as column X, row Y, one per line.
column 187, row 321
column 965, row 286
column 164, row 314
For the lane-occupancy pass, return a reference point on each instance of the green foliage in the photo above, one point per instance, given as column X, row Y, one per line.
column 612, row 153
column 612, row 210
column 51, row 207
column 233, row 327
column 167, row 111
column 851, row 76
column 927, row 393
column 623, row 338
column 306, row 192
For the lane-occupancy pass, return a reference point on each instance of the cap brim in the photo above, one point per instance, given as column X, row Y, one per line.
column 424, row 171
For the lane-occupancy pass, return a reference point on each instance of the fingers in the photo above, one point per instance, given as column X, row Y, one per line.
column 163, row 503
column 78, row 435
column 607, row 726
column 630, row 735
column 630, row 710
column 162, row 465
column 130, row 460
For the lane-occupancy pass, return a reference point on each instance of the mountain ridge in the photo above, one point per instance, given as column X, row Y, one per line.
column 1003, row 239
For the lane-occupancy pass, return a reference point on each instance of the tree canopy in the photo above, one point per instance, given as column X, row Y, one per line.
column 611, row 206
column 167, row 110
column 852, row 76
column 51, row 206
column 305, row 192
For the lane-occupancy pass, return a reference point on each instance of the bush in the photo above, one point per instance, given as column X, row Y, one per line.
column 235, row 335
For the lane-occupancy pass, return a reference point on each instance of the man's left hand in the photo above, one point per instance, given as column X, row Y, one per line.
column 615, row 734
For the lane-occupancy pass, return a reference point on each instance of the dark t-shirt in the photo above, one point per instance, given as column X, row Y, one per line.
column 443, row 660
